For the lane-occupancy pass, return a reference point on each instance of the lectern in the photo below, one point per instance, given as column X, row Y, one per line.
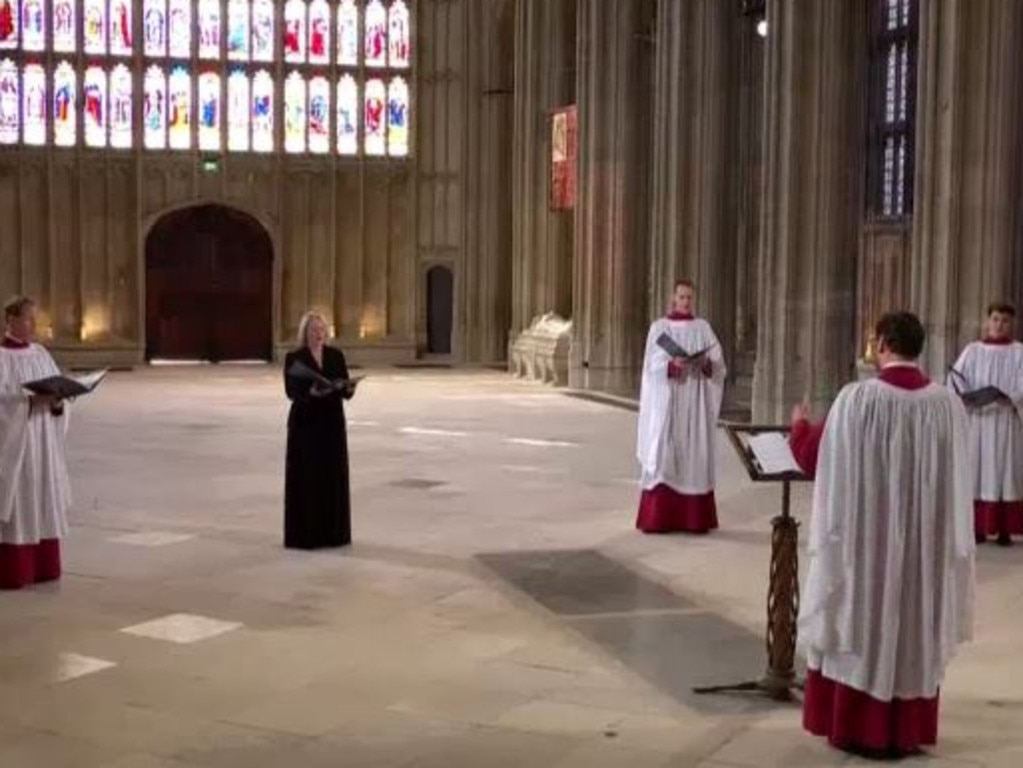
column 765, row 454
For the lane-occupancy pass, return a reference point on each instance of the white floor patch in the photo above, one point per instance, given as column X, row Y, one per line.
column 358, row 423
column 435, row 432
column 182, row 628
column 72, row 665
column 543, row 443
column 151, row 538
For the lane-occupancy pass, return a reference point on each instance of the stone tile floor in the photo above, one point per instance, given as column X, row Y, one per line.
column 497, row 607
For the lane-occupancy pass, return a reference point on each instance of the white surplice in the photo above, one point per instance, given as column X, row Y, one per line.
column 678, row 417
column 996, row 430
column 35, row 491
column 889, row 590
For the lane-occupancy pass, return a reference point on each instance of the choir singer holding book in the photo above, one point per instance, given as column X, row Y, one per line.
column 680, row 398
column 988, row 376
column 316, row 494
column 35, row 491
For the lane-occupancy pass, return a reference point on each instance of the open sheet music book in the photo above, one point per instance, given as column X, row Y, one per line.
column 977, row 398
column 65, row 387
column 669, row 345
column 300, row 370
column 772, row 453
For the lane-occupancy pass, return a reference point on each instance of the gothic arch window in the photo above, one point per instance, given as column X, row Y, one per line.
column 892, row 108
column 303, row 77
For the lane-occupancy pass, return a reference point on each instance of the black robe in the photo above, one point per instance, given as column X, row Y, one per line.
column 316, row 500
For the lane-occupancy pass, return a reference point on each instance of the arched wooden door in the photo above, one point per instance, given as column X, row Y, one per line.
column 209, row 287
column 440, row 310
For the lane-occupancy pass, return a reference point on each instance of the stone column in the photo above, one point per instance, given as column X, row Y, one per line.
column 612, row 216
column 968, row 157
column 488, row 219
column 541, row 238
column 812, row 203
column 695, row 152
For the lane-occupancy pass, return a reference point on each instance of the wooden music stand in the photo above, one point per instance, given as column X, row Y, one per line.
column 779, row 680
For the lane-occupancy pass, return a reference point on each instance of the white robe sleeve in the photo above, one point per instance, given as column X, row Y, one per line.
column 14, row 412
column 654, row 396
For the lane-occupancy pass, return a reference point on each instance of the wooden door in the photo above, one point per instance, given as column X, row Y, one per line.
column 209, row 286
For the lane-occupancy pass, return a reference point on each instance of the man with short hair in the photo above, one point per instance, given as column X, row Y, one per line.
column 889, row 590
column 996, row 429
column 680, row 398
column 35, row 491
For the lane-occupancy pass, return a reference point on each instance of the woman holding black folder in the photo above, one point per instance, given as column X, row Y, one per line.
column 316, row 497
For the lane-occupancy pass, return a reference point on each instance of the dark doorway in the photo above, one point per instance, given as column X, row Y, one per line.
column 440, row 310
column 209, row 287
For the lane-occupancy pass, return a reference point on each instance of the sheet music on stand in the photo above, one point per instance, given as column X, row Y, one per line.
column 772, row 453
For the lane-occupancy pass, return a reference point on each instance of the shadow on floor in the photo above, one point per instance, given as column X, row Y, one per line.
column 655, row 632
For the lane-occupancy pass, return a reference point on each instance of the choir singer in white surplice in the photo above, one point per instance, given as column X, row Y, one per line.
column 889, row 589
column 35, row 491
column 680, row 398
column 996, row 428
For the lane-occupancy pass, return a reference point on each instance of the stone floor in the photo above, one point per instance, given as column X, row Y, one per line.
column 496, row 609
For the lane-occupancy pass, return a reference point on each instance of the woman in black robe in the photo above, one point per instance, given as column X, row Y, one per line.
column 316, row 499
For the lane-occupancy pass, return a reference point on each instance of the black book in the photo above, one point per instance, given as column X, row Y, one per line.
column 669, row 345
column 300, row 370
column 975, row 398
column 66, row 387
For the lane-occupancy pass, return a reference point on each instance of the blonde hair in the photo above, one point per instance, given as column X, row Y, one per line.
column 303, row 326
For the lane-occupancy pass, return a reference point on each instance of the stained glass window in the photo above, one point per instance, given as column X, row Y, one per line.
column 179, row 28
column 294, row 30
column 891, row 106
column 319, row 32
column 398, row 35
column 33, row 105
column 154, row 27
column 94, row 33
column 64, row 40
column 238, row 30
column 262, row 112
column 397, row 118
column 209, row 111
column 347, row 116
column 10, row 98
column 319, row 115
column 120, row 107
column 238, row 112
column 120, row 28
column 376, row 118
column 347, row 33
column 209, row 29
column 72, row 64
column 376, row 34
column 294, row 113
column 94, row 107
column 9, row 17
column 33, row 26
column 179, row 109
column 65, row 116
column 263, row 30
column 154, row 109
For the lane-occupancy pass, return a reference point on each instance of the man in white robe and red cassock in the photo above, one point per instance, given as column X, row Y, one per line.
column 889, row 590
column 680, row 399
column 996, row 428
column 35, row 491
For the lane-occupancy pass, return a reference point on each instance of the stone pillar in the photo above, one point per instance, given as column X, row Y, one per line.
column 696, row 134
column 812, row 203
column 611, row 216
column 488, row 219
column 968, row 157
column 541, row 238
